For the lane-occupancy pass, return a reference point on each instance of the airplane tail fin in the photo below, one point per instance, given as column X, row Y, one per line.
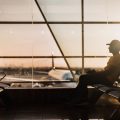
column 53, row 64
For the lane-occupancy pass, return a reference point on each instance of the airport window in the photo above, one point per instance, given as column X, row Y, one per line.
column 40, row 35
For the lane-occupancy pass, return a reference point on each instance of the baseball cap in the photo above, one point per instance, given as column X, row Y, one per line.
column 114, row 43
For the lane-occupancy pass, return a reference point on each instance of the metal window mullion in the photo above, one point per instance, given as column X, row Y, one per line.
column 82, row 15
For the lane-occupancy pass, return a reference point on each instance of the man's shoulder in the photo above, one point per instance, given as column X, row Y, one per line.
column 116, row 56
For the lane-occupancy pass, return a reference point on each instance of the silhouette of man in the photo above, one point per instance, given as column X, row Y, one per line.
column 107, row 76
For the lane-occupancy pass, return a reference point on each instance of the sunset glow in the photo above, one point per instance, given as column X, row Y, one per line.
column 37, row 40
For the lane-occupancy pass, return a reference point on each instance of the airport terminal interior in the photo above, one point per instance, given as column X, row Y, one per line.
column 45, row 46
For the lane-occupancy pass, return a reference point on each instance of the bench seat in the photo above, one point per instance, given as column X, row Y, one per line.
column 115, row 94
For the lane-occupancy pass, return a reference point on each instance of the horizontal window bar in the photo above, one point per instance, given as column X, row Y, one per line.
column 37, row 22
column 101, row 22
column 59, row 22
column 53, row 56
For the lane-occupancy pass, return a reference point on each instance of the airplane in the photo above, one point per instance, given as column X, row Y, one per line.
column 58, row 73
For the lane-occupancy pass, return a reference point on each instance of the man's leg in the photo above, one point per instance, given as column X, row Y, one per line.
column 81, row 89
column 89, row 79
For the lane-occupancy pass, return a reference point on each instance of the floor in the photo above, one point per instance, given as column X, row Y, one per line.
column 56, row 112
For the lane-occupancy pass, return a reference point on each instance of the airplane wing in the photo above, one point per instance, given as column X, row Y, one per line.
column 14, row 79
column 26, row 80
column 41, row 72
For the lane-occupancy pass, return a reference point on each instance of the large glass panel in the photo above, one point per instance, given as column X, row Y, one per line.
column 16, row 62
column 19, row 10
column 95, row 10
column 60, row 63
column 61, row 10
column 96, row 62
column 75, row 63
column 28, row 40
column 113, row 6
column 102, row 10
column 96, row 37
column 69, row 38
